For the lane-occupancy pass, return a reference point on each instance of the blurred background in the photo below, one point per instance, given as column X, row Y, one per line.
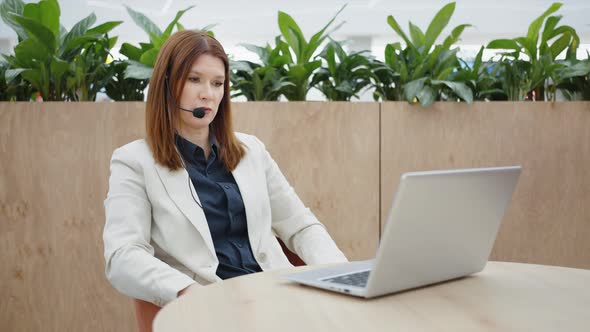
column 365, row 26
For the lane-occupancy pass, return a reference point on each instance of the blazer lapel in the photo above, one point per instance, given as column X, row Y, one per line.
column 177, row 187
column 243, row 176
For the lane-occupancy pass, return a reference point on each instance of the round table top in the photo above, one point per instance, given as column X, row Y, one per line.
column 503, row 297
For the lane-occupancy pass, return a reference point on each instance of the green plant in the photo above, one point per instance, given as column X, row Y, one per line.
column 16, row 89
column 385, row 81
column 61, row 65
column 345, row 75
column 141, row 59
column 263, row 81
column 482, row 77
column 299, row 67
column 574, row 79
column 120, row 88
column 421, row 71
column 530, row 62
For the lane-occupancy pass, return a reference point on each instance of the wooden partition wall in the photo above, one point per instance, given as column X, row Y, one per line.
column 343, row 159
column 54, row 177
column 548, row 220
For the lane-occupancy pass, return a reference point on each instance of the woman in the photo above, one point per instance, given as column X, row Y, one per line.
column 195, row 203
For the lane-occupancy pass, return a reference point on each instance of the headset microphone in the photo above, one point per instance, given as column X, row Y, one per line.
column 198, row 112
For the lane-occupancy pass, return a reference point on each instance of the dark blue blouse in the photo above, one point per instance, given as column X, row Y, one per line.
column 223, row 206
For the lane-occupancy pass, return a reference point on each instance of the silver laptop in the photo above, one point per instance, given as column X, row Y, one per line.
column 442, row 225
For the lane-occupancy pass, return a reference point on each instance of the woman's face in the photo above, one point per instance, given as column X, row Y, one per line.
column 204, row 87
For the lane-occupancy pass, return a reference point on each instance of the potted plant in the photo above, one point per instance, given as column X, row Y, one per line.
column 60, row 64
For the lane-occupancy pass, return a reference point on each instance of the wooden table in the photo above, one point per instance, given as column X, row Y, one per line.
column 503, row 297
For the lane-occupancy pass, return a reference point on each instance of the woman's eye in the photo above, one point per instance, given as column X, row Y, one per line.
column 218, row 84
column 193, row 79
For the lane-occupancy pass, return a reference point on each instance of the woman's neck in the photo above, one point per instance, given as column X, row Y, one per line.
column 199, row 137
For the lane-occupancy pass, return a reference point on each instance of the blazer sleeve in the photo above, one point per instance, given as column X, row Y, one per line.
column 130, row 263
column 293, row 222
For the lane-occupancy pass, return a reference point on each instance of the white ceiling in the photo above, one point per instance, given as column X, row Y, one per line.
column 255, row 21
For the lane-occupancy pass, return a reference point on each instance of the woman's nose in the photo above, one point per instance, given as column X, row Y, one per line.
column 205, row 92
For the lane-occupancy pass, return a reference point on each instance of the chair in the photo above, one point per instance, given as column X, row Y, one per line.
column 145, row 312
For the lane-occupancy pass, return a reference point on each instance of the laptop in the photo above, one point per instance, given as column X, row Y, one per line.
column 442, row 226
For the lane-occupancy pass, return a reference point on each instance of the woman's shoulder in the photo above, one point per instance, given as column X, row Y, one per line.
column 249, row 140
column 138, row 151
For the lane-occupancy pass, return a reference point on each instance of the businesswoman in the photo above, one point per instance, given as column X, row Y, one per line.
column 194, row 202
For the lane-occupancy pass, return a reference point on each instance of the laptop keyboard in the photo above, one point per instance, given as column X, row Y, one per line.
column 358, row 279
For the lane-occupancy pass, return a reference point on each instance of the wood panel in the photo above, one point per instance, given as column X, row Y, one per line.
column 54, row 178
column 548, row 220
column 329, row 152
column 54, row 173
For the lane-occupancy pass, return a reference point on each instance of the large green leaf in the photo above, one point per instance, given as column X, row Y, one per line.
column 282, row 51
column 149, row 58
column 292, row 34
column 35, row 77
column 241, row 65
column 9, row 8
column 50, row 13
column 146, row 46
column 138, row 71
column 560, row 45
column 412, row 88
column 579, row 69
column 417, row 35
column 58, row 68
column 157, row 41
column 62, row 35
column 478, row 60
column 310, row 67
column 550, row 25
column 179, row 14
column 440, row 21
column 505, row 44
column 529, row 45
column 74, row 46
column 460, row 89
column 130, row 51
column 455, row 34
column 262, row 52
column 101, row 29
column 395, row 26
column 13, row 73
column 46, row 12
column 112, row 42
column 443, row 74
column 390, row 56
column 535, row 27
column 41, row 34
column 317, row 39
column 426, row 96
column 143, row 22
column 79, row 29
column 207, row 28
column 29, row 53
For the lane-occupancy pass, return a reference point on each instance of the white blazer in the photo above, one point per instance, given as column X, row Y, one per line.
column 157, row 240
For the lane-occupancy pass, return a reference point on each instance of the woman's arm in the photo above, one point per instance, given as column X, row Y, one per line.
column 130, row 263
